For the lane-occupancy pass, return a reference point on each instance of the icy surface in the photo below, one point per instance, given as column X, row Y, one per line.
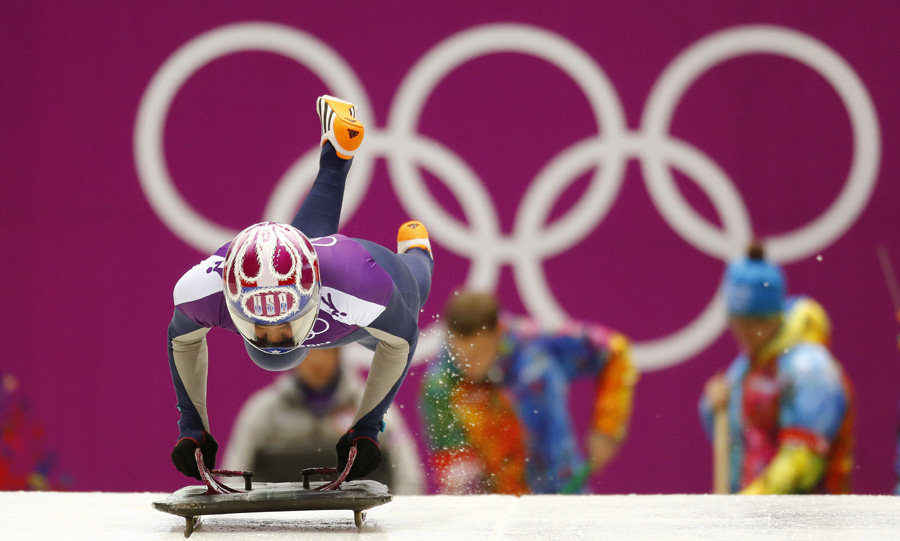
column 97, row 516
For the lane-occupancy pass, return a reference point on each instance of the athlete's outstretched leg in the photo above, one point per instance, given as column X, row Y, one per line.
column 414, row 249
column 342, row 134
column 321, row 210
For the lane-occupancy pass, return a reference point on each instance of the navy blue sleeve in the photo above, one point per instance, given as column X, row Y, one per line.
column 397, row 321
column 190, row 424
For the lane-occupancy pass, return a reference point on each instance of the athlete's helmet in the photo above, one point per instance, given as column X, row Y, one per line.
column 272, row 286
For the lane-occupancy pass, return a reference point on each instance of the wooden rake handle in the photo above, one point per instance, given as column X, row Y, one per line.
column 721, row 484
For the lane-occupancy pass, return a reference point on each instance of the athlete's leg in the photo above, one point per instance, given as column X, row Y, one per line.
column 321, row 210
column 420, row 264
column 414, row 250
column 411, row 273
column 342, row 134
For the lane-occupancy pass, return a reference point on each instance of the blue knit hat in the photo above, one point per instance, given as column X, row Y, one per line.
column 754, row 287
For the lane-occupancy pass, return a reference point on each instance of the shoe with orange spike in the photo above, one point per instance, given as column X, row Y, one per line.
column 339, row 125
column 413, row 235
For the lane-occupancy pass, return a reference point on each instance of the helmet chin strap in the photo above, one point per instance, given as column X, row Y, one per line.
column 275, row 362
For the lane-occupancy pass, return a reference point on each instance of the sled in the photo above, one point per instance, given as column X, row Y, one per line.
column 218, row 498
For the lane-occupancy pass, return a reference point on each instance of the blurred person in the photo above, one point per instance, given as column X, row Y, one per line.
column 26, row 461
column 293, row 422
column 897, row 451
column 890, row 278
column 788, row 402
column 496, row 401
column 286, row 288
column 897, row 465
column 897, row 458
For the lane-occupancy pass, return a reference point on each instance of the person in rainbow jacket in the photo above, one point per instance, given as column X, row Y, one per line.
column 496, row 408
column 789, row 403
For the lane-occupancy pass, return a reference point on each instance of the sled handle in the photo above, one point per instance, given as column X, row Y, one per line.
column 212, row 484
column 336, row 484
column 247, row 475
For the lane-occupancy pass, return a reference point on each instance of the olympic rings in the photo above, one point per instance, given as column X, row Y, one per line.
column 533, row 239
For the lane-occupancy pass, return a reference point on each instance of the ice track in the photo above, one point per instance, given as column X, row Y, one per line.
column 96, row 516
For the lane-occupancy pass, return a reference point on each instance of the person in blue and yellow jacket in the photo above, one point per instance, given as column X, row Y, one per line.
column 789, row 403
column 897, row 466
column 496, row 407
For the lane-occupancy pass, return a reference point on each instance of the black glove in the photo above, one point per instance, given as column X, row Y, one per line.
column 368, row 455
column 183, row 454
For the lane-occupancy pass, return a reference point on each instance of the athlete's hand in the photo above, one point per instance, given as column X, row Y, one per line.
column 368, row 455
column 718, row 391
column 183, row 454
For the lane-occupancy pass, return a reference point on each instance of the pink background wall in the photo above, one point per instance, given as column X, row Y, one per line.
column 89, row 265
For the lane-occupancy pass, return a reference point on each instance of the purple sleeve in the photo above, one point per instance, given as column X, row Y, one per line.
column 198, row 294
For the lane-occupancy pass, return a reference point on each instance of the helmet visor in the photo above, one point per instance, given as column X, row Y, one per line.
column 276, row 337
